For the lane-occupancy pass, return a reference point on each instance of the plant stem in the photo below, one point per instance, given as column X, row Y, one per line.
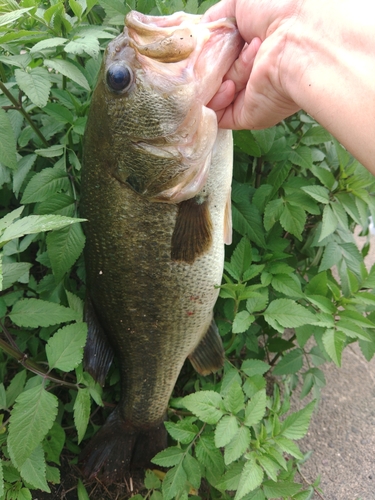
column 26, row 115
column 30, row 365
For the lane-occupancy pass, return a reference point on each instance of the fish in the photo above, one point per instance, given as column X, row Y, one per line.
column 156, row 187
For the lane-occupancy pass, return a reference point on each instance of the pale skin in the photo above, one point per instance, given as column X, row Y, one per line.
column 315, row 55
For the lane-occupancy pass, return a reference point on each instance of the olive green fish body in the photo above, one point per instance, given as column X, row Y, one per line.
column 156, row 190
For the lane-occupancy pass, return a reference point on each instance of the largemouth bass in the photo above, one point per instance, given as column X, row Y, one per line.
column 156, row 192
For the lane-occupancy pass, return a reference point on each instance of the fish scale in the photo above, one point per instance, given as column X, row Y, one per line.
column 156, row 193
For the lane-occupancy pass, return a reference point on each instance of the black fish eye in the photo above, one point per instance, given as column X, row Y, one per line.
column 119, row 77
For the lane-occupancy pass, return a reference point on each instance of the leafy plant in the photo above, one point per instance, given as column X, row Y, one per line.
column 282, row 312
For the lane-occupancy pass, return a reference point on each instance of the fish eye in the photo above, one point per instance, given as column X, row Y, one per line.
column 119, row 77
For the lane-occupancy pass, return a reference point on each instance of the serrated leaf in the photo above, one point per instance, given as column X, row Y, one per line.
column 288, row 313
column 265, row 138
column 272, row 213
column 52, row 151
column 237, row 446
column 292, row 362
column 269, row 465
column 48, row 43
column 151, row 480
column 334, row 342
column 302, row 157
column 169, row 457
column 231, row 478
column 81, row 412
column 319, row 193
column 88, row 44
column 13, row 272
column 60, row 113
column 316, row 135
column 248, row 222
column 288, row 446
column 35, row 83
column 280, row 489
column 330, row 222
column 10, row 17
column 209, row 456
column 182, row 431
column 64, row 247
column 33, row 415
column 65, row 348
column 242, row 321
column 254, row 367
column 207, row 405
column 192, row 470
column 288, row 285
column 255, row 408
column 234, row 398
column 295, row 426
column 293, row 220
column 33, row 470
column 258, row 301
column 7, row 141
column 68, row 69
column 35, row 312
column 225, row 430
column 53, row 443
column 174, row 482
column 244, row 140
column 251, row 478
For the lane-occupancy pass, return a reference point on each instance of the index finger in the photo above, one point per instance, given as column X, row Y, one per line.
column 225, row 8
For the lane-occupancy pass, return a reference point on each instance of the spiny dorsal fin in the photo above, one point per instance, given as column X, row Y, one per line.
column 192, row 235
column 208, row 356
column 98, row 354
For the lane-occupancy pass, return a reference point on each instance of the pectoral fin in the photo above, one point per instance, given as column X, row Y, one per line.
column 209, row 356
column 192, row 235
column 98, row 354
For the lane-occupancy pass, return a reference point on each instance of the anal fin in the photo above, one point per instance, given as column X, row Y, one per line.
column 98, row 354
column 192, row 235
column 208, row 356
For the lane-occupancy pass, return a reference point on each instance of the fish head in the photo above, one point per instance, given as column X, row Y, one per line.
column 155, row 81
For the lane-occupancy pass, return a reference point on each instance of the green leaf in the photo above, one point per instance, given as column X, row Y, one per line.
column 330, row 222
column 183, row 430
column 69, row 70
column 174, row 482
column 10, row 17
column 33, row 415
column 13, row 272
column 64, row 247
column 7, row 141
column 46, row 184
column 35, row 224
column 272, row 213
column 52, row 151
column 34, row 312
column 288, row 313
column 334, row 342
column 151, row 480
column 81, row 411
column 319, row 193
column 65, row 348
column 302, row 157
column 265, row 138
column 60, row 113
column 231, row 478
column 288, row 285
column 251, row 478
column 288, row 446
column 293, row 220
column 81, row 491
column 237, row 446
column 280, row 489
column 225, row 430
column 242, row 321
column 244, row 140
column 240, row 260
column 295, row 426
column 254, row 367
column 207, row 405
column 192, row 470
column 35, row 83
column 234, row 398
column 1, row 479
column 169, row 457
column 53, row 443
column 315, row 135
column 292, row 362
column 255, row 408
column 209, row 456
column 247, row 222
column 88, row 44
column 33, row 470
column 269, row 465
column 48, row 43
column 258, row 301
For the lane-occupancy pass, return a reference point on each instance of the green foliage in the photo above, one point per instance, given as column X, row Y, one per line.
column 282, row 312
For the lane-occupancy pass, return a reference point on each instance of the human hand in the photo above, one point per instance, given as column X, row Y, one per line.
column 252, row 95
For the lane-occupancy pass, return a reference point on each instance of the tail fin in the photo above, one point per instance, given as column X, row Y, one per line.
column 118, row 448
